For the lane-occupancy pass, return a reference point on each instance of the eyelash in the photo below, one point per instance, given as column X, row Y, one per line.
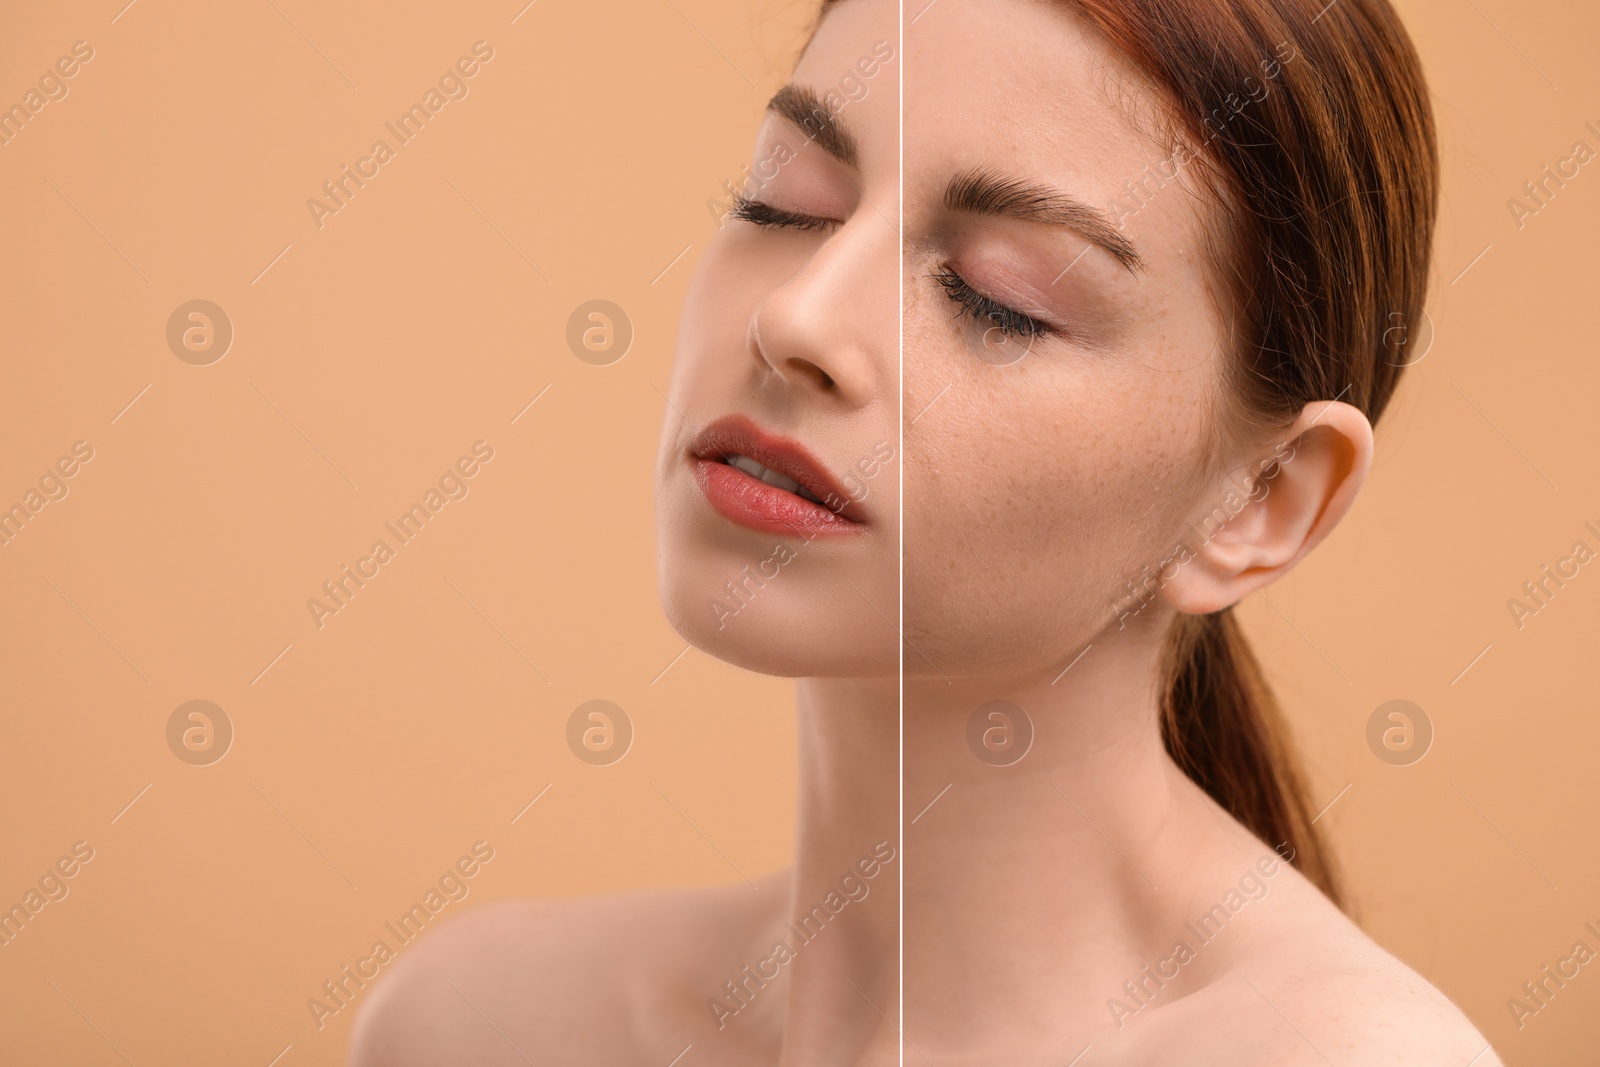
column 982, row 309
column 765, row 215
column 970, row 302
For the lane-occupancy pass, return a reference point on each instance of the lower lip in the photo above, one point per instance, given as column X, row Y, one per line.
column 749, row 502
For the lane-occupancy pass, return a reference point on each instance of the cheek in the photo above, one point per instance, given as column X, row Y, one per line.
column 1033, row 497
column 716, row 314
column 711, row 352
column 708, row 357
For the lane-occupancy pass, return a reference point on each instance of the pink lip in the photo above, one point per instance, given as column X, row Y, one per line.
column 750, row 502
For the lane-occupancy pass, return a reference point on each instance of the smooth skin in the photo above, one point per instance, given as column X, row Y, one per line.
column 797, row 329
column 1040, row 479
column 1036, row 488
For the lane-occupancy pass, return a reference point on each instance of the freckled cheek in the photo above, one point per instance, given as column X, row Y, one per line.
column 1092, row 486
column 1020, row 493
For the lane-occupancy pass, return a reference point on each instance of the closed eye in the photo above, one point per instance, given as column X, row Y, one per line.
column 765, row 215
column 990, row 313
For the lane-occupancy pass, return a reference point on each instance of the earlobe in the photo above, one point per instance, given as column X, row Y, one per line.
column 1273, row 508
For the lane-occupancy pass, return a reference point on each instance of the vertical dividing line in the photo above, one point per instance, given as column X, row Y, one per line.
column 900, row 554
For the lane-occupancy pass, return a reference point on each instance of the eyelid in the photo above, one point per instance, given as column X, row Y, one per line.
column 979, row 307
column 765, row 215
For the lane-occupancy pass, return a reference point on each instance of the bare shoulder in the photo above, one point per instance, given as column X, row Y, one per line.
column 1303, row 983
column 1359, row 1004
column 591, row 979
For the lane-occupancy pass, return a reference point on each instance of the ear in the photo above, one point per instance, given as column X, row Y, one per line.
column 1273, row 508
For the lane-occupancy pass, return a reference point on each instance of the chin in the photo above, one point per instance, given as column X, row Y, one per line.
column 800, row 626
column 772, row 603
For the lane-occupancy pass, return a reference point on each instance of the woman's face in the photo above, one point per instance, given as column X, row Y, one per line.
column 1045, row 465
column 777, row 484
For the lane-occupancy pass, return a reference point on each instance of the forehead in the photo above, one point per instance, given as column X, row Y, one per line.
column 853, row 66
column 1028, row 88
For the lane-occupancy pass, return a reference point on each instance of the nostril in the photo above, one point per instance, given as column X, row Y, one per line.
column 809, row 371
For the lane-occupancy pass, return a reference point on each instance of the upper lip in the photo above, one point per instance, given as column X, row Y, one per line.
column 739, row 435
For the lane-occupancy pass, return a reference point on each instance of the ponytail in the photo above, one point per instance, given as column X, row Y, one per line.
column 1324, row 182
column 1221, row 725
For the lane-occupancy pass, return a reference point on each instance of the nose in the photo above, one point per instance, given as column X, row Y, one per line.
column 831, row 330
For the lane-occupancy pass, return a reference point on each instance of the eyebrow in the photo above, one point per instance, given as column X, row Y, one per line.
column 804, row 108
column 983, row 192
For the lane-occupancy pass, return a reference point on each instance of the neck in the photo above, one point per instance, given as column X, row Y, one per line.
column 1070, row 864
column 844, row 916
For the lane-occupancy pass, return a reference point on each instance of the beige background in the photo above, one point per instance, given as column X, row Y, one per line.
column 371, row 353
column 1477, row 864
